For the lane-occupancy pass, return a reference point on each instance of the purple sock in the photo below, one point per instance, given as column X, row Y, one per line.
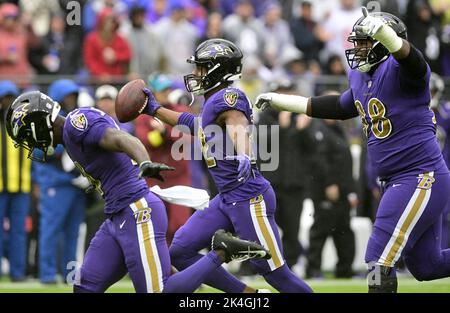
column 193, row 276
column 219, row 278
column 284, row 280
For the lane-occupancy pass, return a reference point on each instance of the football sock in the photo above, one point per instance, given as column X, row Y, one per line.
column 284, row 280
column 220, row 279
column 189, row 279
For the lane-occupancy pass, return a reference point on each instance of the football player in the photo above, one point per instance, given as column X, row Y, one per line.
column 246, row 202
column 389, row 91
column 133, row 237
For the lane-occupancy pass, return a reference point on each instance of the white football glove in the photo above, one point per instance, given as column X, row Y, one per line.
column 376, row 28
column 282, row 102
column 263, row 101
column 370, row 25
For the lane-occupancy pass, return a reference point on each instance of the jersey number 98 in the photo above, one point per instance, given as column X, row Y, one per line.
column 381, row 125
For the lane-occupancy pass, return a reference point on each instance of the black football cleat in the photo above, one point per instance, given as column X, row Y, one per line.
column 236, row 248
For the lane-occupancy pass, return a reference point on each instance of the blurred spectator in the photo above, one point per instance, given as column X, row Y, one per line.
column 389, row 6
column 13, row 44
column 210, row 5
column 334, row 67
column 105, row 97
column 158, row 139
column 244, row 29
column 15, row 187
column 197, row 15
column 213, row 27
column 93, row 8
column 255, row 76
column 62, row 198
column 38, row 13
column 442, row 9
column 289, row 182
column 157, row 10
column 277, row 35
column 424, row 31
column 146, row 46
column 106, row 53
column 228, row 6
column 322, row 9
column 300, row 71
column 55, row 52
column 333, row 195
column 178, row 36
column 337, row 27
column 441, row 109
column 303, row 29
column 369, row 191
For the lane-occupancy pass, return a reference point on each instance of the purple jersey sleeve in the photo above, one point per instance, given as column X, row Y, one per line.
column 95, row 133
column 231, row 99
column 87, row 127
column 347, row 102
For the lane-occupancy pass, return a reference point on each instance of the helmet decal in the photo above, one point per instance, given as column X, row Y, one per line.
column 18, row 116
column 215, row 51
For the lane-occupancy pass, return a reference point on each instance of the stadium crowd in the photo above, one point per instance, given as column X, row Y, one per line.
column 290, row 46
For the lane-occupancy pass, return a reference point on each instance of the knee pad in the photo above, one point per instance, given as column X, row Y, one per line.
column 383, row 280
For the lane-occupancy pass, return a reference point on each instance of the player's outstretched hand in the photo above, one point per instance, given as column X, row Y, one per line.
column 152, row 104
column 153, row 170
column 263, row 101
column 376, row 28
column 245, row 166
column 370, row 25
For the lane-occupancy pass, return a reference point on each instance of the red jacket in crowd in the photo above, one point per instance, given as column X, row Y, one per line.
column 99, row 44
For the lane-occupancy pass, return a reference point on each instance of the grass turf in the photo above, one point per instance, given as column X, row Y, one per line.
column 406, row 285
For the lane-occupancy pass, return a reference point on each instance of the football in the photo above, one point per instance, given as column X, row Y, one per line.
column 131, row 101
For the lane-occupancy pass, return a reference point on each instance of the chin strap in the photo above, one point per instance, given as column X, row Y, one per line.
column 192, row 99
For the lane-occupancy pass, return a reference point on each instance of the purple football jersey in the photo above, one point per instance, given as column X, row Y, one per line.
column 443, row 130
column 216, row 145
column 113, row 174
column 397, row 120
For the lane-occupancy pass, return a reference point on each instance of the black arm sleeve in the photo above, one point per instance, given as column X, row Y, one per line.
column 329, row 107
column 414, row 65
column 413, row 70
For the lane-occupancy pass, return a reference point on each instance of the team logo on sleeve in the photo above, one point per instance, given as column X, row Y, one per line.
column 230, row 98
column 79, row 121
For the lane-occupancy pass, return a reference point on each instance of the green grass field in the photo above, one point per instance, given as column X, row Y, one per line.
column 406, row 285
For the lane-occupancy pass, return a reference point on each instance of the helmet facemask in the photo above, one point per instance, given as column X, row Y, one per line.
column 201, row 84
column 366, row 53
